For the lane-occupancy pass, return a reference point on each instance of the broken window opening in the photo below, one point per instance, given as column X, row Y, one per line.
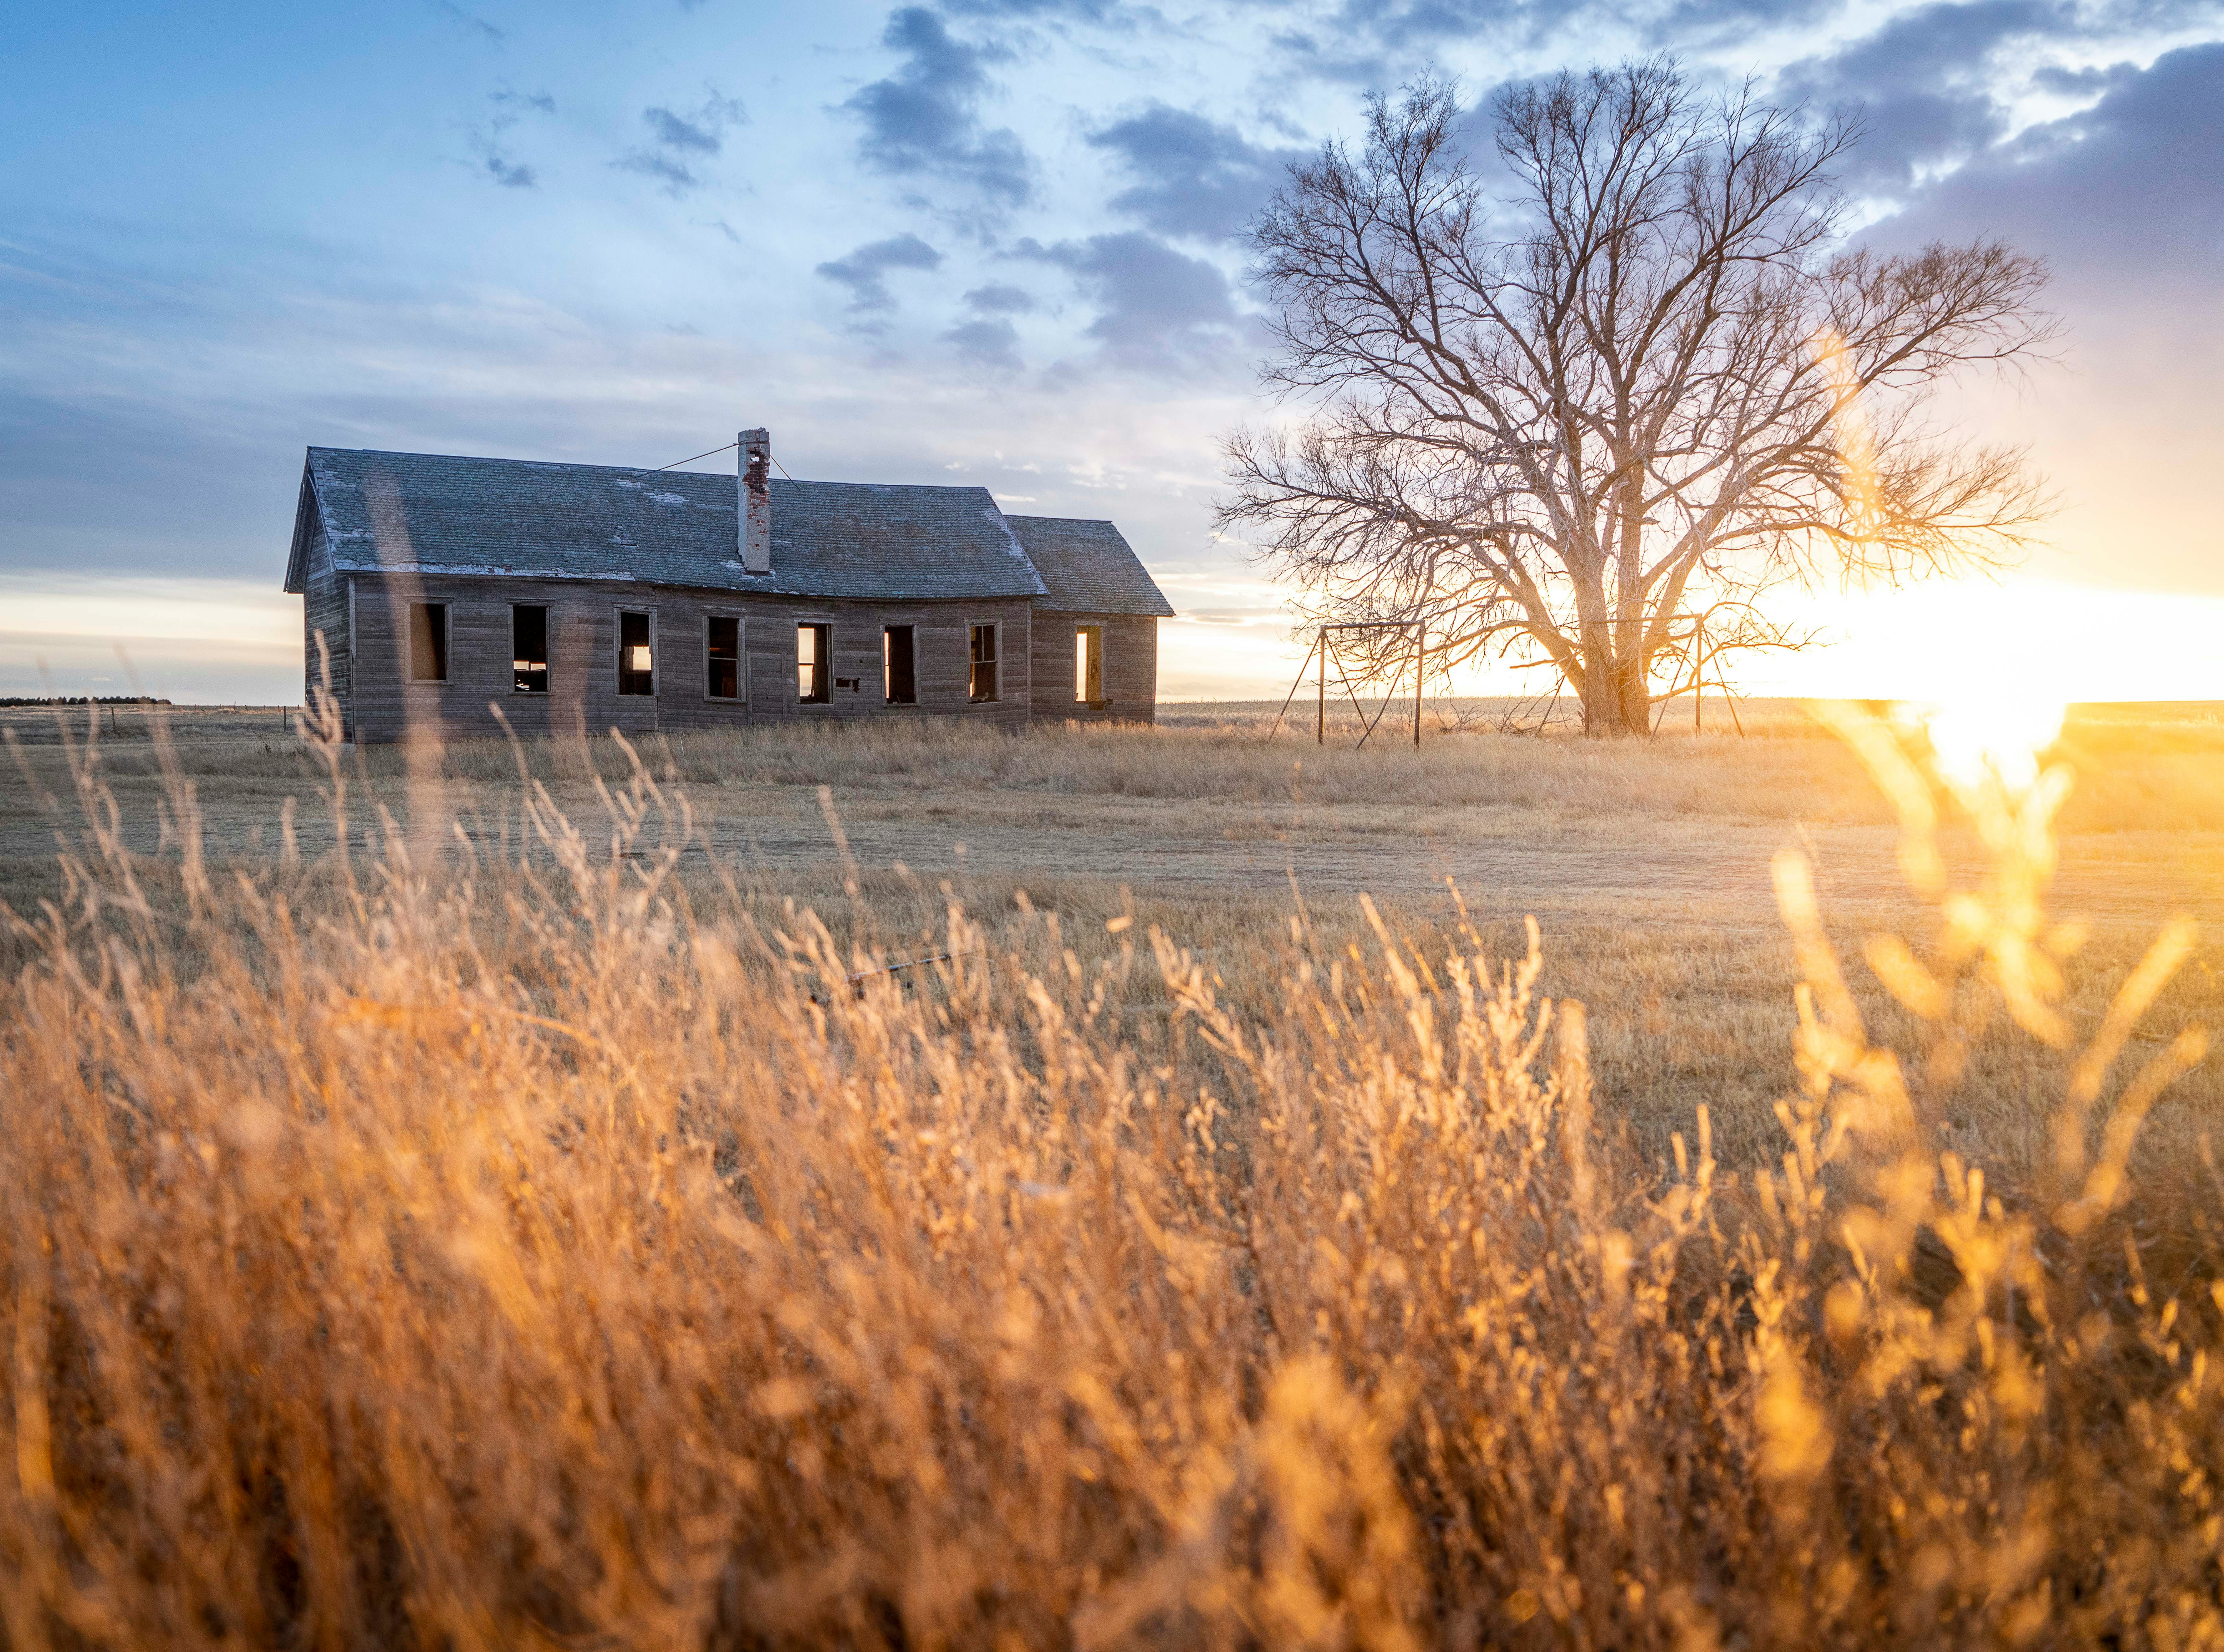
column 428, row 642
column 528, row 649
column 1089, row 663
column 722, row 673
column 899, row 666
column 814, row 660
column 982, row 682
column 637, row 654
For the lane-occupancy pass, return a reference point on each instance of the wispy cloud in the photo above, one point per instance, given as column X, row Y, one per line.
column 678, row 143
column 488, row 138
column 477, row 25
column 864, row 271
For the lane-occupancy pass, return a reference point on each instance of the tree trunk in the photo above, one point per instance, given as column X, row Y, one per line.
column 1617, row 700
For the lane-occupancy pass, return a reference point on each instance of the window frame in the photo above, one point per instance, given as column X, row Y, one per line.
column 547, row 648
column 618, row 611
column 888, row 661
column 822, row 662
column 741, row 694
column 994, row 662
column 446, row 645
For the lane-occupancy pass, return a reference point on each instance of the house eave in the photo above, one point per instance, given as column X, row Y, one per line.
column 305, row 521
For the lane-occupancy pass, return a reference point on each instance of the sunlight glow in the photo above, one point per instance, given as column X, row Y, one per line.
column 2015, row 639
column 1998, row 735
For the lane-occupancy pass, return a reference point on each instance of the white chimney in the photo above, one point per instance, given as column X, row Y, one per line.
column 756, row 501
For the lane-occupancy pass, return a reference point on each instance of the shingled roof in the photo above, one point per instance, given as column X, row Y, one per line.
column 425, row 512
column 1087, row 567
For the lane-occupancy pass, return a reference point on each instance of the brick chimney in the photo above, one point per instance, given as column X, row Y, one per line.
column 756, row 501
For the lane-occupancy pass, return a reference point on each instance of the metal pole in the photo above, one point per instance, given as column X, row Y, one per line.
column 1699, row 681
column 1320, row 709
column 1420, row 666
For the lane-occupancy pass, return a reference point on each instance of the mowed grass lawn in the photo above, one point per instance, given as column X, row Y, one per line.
column 1646, row 865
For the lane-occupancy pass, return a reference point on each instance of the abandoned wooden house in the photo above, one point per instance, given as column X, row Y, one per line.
column 585, row 596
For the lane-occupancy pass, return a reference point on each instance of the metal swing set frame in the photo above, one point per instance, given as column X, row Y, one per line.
column 1319, row 653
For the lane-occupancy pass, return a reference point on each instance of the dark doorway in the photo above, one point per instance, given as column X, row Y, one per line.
column 899, row 672
column 428, row 642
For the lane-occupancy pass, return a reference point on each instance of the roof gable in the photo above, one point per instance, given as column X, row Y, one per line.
column 306, row 523
column 1087, row 567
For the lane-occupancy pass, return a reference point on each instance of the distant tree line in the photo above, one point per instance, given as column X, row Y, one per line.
column 81, row 699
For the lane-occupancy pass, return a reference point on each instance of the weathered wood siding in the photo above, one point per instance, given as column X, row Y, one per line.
column 583, row 695
column 1131, row 668
column 324, row 613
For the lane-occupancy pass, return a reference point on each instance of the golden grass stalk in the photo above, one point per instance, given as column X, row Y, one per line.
column 430, row 1252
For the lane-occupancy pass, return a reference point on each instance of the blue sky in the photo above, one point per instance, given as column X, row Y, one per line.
column 989, row 240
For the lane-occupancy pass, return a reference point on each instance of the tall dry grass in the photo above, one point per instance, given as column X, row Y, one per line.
column 425, row 1251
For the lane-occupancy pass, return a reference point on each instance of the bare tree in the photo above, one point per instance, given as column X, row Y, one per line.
column 1650, row 384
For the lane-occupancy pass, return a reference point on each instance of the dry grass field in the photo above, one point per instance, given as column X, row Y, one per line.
column 541, row 1226
column 1647, row 867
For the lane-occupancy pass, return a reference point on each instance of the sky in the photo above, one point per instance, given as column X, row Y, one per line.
column 991, row 242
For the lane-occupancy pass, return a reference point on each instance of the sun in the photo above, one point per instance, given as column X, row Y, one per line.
column 1999, row 735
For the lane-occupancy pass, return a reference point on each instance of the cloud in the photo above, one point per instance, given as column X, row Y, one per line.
column 2084, row 83
column 678, row 142
column 676, row 176
column 864, row 271
column 1199, row 178
column 1934, row 84
column 987, row 343
column 479, row 26
column 677, row 132
column 1159, row 308
column 1376, row 43
column 1089, row 12
column 1694, row 25
column 1923, row 85
column 2120, row 195
column 494, row 156
column 921, row 120
column 2126, row 200
column 1424, row 22
column 995, row 300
